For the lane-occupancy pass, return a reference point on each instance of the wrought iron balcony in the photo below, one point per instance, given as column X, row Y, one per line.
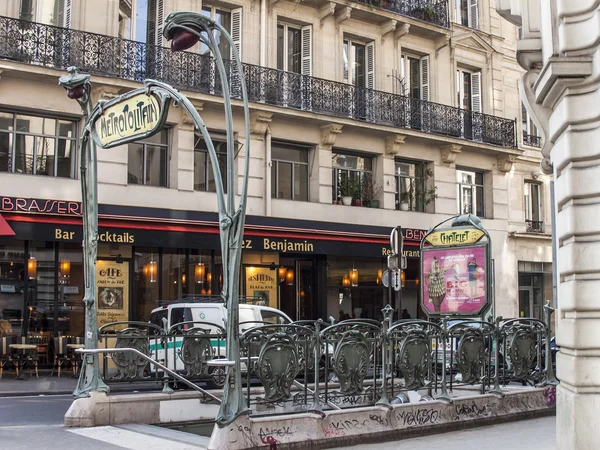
column 532, row 141
column 534, row 226
column 59, row 48
column 425, row 10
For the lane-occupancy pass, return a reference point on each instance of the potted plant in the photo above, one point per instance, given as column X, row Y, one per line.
column 370, row 191
column 348, row 189
column 404, row 199
column 428, row 195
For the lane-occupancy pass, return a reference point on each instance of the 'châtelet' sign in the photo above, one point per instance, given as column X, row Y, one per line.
column 127, row 119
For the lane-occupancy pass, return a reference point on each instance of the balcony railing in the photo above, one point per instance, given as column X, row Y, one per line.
column 59, row 48
column 425, row 10
column 532, row 141
column 534, row 226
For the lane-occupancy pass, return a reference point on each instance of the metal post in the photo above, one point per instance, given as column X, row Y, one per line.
column 79, row 88
column 550, row 378
column 388, row 311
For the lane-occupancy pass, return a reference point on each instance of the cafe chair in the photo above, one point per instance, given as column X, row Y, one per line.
column 42, row 343
column 62, row 355
column 30, row 356
column 5, row 353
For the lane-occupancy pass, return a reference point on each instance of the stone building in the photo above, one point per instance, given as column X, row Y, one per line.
column 409, row 109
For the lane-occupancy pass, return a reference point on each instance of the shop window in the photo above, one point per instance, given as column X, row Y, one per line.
column 12, row 287
column 37, row 145
column 205, row 276
column 174, row 275
column 204, row 179
column 145, row 282
column 148, row 160
column 289, row 172
column 348, row 175
column 411, row 177
column 470, row 192
column 535, row 287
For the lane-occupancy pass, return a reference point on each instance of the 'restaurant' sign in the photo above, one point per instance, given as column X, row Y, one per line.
column 128, row 118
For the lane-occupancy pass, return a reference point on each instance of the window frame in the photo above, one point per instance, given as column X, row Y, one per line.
column 473, row 187
column 221, row 140
column 285, row 50
column 336, row 171
column 144, row 143
column 472, row 9
column 419, row 206
column 56, row 136
column 275, row 165
column 529, row 207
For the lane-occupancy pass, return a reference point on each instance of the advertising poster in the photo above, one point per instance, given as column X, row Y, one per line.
column 454, row 280
column 112, row 295
column 261, row 286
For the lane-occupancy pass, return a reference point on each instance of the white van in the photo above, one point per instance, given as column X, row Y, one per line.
column 214, row 313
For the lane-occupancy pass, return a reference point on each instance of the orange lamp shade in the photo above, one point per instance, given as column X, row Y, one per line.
column 354, row 277
column 200, row 272
column 281, row 273
column 209, row 277
column 289, row 277
column 31, row 268
column 346, row 281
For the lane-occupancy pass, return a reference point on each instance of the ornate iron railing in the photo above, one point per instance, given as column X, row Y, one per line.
column 55, row 47
column 534, row 226
column 435, row 13
column 532, row 141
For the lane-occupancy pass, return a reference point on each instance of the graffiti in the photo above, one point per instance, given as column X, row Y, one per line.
column 550, row 396
column 271, row 442
column 242, row 430
column 349, row 425
column 348, row 399
column 380, row 420
column 472, row 411
column 418, row 417
column 279, row 432
column 331, row 432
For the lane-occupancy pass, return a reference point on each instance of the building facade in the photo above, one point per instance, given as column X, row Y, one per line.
column 364, row 116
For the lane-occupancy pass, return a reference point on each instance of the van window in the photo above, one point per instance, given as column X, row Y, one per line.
column 157, row 317
column 272, row 317
column 179, row 315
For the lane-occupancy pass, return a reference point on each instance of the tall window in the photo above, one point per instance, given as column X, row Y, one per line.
column 359, row 64
column 533, row 207
column 349, row 170
column 294, row 48
column 414, row 72
column 289, row 172
column 470, row 192
column 49, row 12
column 466, row 13
column 530, row 131
column 148, row 161
column 535, row 287
column 204, row 179
column 468, row 88
column 37, row 145
column 232, row 22
column 410, row 185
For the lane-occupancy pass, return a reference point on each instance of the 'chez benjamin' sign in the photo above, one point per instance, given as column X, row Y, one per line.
column 128, row 118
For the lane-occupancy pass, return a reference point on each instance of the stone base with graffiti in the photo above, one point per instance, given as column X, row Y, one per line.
column 377, row 423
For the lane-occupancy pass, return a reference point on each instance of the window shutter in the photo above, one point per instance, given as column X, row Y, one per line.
column 160, row 18
column 474, row 15
column 236, row 30
column 370, row 65
column 476, row 92
column 456, row 12
column 307, row 50
column 425, row 78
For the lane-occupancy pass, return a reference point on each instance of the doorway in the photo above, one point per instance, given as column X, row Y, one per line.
column 297, row 294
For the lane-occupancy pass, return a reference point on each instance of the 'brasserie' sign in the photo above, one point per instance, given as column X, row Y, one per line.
column 127, row 120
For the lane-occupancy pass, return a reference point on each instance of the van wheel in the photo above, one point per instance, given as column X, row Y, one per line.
column 217, row 378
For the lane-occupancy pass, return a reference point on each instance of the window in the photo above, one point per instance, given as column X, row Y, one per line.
column 148, row 160
column 466, row 13
column 414, row 72
column 468, row 88
column 359, row 64
column 49, row 12
column 535, row 286
column 410, row 185
column 204, row 179
column 294, row 47
column 530, row 131
column 289, row 172
column 37, row 145
column 533, row 207
column 349, row 171
column 470, row 192
column 232, row 22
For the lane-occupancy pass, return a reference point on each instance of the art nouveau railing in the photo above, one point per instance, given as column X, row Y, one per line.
column 59, row 48
column 358, row 362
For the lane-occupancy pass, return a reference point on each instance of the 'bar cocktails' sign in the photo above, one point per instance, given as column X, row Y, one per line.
column 127, row 119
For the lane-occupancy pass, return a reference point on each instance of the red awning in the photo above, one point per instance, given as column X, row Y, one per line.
column 5, row 229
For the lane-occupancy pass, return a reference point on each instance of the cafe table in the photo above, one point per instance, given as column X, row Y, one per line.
column 20, row 361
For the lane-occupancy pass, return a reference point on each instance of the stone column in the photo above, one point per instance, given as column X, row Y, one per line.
column 321, row 180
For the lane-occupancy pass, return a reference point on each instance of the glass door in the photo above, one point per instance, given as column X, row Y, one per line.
column 525, row 300
column 305, row 304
